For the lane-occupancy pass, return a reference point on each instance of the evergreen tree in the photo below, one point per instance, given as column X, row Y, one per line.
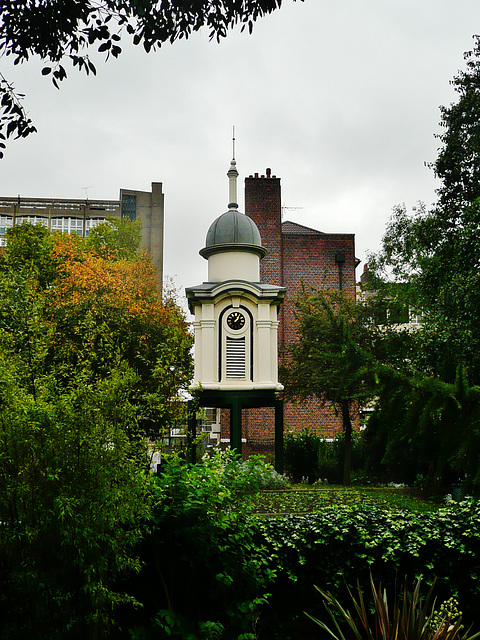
column 458, row 161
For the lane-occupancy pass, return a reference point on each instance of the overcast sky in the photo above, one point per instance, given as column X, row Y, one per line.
column 340, row 98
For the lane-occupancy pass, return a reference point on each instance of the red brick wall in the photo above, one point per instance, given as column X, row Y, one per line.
column 312, row 415
column 309, row 261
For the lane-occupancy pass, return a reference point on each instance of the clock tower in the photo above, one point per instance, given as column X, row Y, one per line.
column 236, row 357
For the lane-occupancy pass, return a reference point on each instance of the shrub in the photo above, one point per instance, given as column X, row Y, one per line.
column 204, row 576
column 310, row 457
column 411, row 616
column 340, row 546
column 251, row 475
column 301, row 455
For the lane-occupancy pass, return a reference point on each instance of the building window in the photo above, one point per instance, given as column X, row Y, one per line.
column 416, row 316
column 67, row 225
column 32, row 220
column 129, row 207
column 235, row 357
column 6, row 222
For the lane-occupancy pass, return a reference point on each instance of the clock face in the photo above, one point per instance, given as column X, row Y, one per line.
column 236, row 320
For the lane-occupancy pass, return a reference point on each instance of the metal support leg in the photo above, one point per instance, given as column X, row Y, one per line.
column 191, row 433
column 279, row 465
column 236, row 425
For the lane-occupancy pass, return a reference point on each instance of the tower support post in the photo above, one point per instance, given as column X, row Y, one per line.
column 191, row 432
column 279, row 458
column 236, row 424
column 236, row 401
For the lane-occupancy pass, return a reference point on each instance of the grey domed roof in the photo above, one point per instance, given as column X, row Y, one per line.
column 233, row 231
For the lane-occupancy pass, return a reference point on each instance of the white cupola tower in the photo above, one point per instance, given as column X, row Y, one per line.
column 235, row 314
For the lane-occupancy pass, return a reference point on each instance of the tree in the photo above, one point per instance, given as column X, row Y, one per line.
column 73, row 495
column 29, row 251
column 91, row 360
column 458, row 161
column 431, row 258
column 330, row 360
column 425, row 428
column 59, row 30
column 118, row 238
column 97, row 308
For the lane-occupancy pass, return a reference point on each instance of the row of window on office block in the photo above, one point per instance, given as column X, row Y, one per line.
column 63, row 224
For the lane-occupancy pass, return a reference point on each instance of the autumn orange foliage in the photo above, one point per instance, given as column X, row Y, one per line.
column 86, row 277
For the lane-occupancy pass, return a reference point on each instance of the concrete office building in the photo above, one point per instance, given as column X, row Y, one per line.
column 79, row 216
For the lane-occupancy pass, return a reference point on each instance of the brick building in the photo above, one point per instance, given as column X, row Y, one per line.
column 296, row 256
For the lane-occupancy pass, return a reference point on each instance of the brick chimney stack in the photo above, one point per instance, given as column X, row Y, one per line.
column 263, row 205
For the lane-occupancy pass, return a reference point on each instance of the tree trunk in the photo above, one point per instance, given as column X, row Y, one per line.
column 347, row 433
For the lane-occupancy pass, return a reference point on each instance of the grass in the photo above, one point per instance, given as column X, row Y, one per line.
column 301, row 500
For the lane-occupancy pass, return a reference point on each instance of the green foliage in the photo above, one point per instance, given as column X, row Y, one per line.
column 14, row 119
column 458, row 161
column 118, row 238
column 340, row 546
column 29, row 250
column 331, row 359
column 90, row 356
column 67, row 308
column 426, row 427
column 310, row 457
column 411, row 617
column 328, row 360
column 306, row 500
column 434, row 253
column 252, row 475
column 301, row 455
column 427, row 411
column 72, row 496
column 205, row 576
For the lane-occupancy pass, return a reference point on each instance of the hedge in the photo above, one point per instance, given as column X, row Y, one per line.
column 342, row 545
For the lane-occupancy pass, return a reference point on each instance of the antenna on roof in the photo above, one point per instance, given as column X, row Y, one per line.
column 86, row 191
column 284, row 208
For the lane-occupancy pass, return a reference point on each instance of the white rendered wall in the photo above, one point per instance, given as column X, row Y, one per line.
column 234, row 265
column 205, row 344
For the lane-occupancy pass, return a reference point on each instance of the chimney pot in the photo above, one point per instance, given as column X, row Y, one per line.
column 269, row 171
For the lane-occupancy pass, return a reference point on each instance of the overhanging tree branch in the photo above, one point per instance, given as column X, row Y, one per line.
column 59, row 30
column 14, row 121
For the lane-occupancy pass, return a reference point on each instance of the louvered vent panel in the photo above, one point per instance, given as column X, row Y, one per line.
column 235, row 357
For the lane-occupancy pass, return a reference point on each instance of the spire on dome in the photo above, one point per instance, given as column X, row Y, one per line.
column 232, row 178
